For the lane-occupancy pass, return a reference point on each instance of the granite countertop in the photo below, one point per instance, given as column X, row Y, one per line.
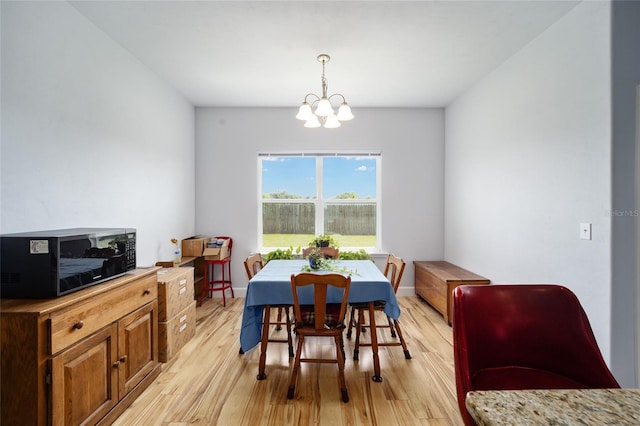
column 555, row 407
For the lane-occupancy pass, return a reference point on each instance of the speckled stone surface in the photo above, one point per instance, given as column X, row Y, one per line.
column 555, row 407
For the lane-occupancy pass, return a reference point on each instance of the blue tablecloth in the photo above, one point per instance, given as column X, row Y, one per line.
column 272, row 286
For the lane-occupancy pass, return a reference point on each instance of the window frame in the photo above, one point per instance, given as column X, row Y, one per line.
column 319, row 201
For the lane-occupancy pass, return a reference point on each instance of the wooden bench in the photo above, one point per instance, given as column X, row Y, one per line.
column 435, row 281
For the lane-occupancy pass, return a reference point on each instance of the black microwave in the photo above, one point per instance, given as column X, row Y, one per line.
column 45, row 264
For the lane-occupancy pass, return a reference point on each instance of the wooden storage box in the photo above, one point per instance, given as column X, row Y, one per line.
column 194, row 246
column 175, row 291
column 435, row 281
column 217, row 253
column 175, row 333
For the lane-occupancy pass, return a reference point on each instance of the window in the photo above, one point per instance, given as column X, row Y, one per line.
column 304, row 195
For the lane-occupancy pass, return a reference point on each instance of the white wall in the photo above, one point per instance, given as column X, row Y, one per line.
column 528, row 158
column 411, row 142
column 90, row 137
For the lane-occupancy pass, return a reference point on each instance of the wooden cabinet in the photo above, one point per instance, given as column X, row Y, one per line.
column 81, row 358
column 435, row 281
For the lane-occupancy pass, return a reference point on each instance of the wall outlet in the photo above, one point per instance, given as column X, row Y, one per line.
column 585, row 231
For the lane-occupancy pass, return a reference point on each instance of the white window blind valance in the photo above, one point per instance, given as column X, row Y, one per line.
column 320, row 154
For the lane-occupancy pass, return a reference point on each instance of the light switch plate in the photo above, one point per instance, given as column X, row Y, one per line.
column 585, row 231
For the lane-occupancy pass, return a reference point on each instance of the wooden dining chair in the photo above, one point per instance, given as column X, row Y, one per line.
column 252, row 265
column 321, row 319
column 393, row 271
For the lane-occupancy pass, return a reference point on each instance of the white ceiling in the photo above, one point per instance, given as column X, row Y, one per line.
column 263, row 53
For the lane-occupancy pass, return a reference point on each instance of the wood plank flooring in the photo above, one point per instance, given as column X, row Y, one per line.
column 210, row 383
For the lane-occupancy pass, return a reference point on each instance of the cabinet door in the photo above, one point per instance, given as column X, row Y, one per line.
column 137, row 346
column 84, row 379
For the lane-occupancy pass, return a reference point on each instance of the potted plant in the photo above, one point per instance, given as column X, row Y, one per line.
column 278, row 254
column 323, row 240
column 315, row 258
column 355, row 255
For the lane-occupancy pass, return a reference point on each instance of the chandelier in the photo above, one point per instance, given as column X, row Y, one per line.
column 323, row 113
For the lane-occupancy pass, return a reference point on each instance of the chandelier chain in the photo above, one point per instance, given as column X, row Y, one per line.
column 324, row 82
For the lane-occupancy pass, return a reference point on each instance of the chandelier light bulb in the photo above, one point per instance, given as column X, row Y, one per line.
column 332, row 122
column 312, row 122
column 344, row 112
column 324, row 108
column 304, row 113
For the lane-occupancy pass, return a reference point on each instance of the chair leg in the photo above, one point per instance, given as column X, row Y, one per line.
column 356, row 349
column 340, row 359
column 296, row 366
column 224, row 298
column 263, row 343
column 230, row 286
column 391, row 327
column 279, row 319
column 407, row 355
column 289, row 339
column 374, row 344
column 351, row 321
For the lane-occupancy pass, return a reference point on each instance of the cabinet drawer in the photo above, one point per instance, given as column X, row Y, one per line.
column 70, row 325
column 175, row 333
column 175, row 291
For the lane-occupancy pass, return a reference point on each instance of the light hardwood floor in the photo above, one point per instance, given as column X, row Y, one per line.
column 210, row 383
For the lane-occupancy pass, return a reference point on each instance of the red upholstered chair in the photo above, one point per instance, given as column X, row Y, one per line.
column 515, row 337
column 224, row 283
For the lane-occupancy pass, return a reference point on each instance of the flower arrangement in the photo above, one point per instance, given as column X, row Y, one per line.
column 177, row 254
column 316, row 258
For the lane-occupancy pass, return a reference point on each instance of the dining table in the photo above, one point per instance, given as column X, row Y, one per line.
column 272, row 286
column 566, row 407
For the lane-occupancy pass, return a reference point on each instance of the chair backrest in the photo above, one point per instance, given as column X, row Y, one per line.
column 514, row 337
column 322, row 284
column 253, row 264
column 393, row 270
column 329, row 252
column 230, row 242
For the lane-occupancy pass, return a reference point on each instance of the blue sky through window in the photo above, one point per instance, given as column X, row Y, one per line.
column 297, row 176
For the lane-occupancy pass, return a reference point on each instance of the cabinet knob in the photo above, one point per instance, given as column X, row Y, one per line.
column 147, row 292
column 123, row 358
column 78, row 325
column 115, row 364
